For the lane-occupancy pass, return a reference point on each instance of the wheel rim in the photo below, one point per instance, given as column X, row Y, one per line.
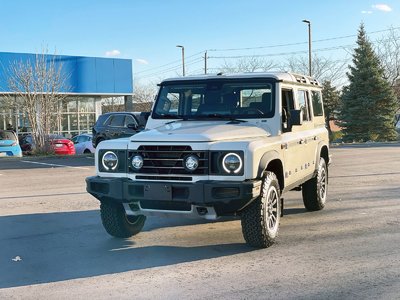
column 322, row 183
column 272, row 213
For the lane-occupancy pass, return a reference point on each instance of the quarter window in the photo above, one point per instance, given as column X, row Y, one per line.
column 318, row 109
column 302, row 97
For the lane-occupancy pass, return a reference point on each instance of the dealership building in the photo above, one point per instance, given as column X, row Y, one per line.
column 89, row 81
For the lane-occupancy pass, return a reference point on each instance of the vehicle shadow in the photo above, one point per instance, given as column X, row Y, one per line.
column 33, row 162
column 43, row 248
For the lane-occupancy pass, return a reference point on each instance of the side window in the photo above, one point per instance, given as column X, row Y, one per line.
column 129, row 120
column 317, row 105
column 287, row 106
column 117, row 121
column 302, row 97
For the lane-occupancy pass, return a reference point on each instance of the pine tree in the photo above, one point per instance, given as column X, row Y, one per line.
column 368, row 102
column 331, row 98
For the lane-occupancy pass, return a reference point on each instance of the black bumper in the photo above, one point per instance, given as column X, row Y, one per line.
column 227, row 197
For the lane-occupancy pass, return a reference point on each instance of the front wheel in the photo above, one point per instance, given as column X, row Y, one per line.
column 260, row 220
column 117, row 223
column 315, row 189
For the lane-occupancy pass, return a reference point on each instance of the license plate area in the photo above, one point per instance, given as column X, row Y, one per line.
column 158, row 192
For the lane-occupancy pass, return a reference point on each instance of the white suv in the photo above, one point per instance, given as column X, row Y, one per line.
column 218, row 145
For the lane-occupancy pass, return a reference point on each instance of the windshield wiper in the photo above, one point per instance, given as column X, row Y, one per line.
column 224, row 117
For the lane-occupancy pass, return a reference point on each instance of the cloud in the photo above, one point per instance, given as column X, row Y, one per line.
column 368, row 12
column 382, row 7
column 113, row 53
column 142, row 61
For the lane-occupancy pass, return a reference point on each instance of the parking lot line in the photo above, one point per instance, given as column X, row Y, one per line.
column 53, row 165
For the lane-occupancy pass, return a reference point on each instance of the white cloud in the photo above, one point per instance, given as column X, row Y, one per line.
column 142, row 61
column 382, row 7
column 368, row 12
column 113, row 53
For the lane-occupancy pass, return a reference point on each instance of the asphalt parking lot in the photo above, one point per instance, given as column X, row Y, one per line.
column 53, row 246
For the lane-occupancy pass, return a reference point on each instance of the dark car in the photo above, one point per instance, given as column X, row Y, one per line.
column 117, row 125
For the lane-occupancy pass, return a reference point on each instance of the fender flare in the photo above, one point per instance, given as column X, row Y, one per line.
column 321, row 144
column 265, row 159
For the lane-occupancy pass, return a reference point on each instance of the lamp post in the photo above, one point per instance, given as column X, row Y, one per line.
column 183, row 58
column 309, row 45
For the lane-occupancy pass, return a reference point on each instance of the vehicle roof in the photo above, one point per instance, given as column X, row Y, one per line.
column 280, row 76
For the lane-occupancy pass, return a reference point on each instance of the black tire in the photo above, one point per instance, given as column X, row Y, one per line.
column 117, row 223
column 315, row 189
column 87, row 151
column 260, row 220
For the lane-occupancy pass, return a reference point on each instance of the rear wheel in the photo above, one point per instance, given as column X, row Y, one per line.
column 260, row 220
column 315, row 189
column 117, row 223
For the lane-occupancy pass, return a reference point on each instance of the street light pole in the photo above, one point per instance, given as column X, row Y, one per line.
column 183, row 58
column 309, row 45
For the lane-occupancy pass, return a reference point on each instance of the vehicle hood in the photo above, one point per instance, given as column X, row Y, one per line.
column 6, row 143
column 201, row 131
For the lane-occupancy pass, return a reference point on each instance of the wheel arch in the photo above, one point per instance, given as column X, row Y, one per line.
column 271, row 161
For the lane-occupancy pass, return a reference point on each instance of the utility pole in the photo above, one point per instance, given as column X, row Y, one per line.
column 309, row 46
column 205, row 62
column 183, row 58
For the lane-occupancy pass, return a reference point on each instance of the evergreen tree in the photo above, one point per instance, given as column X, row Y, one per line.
column 368, row 102
column 331, row 103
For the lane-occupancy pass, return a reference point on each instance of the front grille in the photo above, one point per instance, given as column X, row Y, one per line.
column 169, row 160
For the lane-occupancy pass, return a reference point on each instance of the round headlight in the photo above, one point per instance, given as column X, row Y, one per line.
column 232, row 163
column 191, row 163
column 110, row 161
column 137, row 162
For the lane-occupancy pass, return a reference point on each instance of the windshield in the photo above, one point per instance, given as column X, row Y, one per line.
column 215, row 99
column 7, row 135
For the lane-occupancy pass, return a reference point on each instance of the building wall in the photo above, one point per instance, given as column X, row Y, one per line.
column 89, row 79
column 86, row 75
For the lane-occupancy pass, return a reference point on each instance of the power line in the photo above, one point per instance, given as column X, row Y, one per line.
column 283, row 53
column 299, row 43
column 170, row 63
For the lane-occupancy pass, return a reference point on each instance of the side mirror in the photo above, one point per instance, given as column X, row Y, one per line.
column 132, row 126
column 296, row 117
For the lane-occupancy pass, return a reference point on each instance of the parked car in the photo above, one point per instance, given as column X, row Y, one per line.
column 83, row 143
column 59, row 144
column 9, row 145
column 117, row 125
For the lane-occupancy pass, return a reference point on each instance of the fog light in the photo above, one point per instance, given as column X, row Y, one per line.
column 137, row 162
column 191, row 163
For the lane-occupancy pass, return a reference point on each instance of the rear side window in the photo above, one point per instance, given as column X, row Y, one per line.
column 117, row 120
column 129, row 120
column 304, row 105
column 317, row 103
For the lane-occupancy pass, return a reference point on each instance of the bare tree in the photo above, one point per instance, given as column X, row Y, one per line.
column 388, row 51
column 143, row 96
column 324, row 69
column 112, row 104
column 39, row 86
column 248, row 64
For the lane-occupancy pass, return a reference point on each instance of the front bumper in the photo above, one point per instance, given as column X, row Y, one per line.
column 225, row 197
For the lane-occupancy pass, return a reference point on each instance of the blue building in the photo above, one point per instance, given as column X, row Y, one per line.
column 89, row 81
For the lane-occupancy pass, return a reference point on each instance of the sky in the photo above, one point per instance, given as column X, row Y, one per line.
column 147, row 31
